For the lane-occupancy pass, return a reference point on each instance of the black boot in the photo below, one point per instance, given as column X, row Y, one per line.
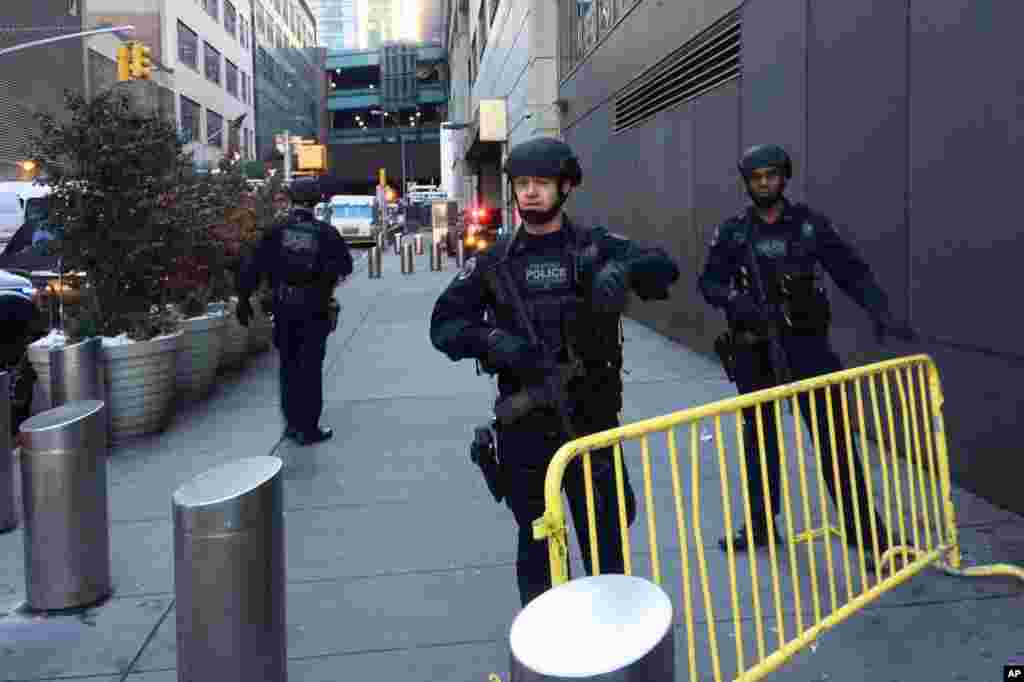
column 739, row 539
column 318, row 435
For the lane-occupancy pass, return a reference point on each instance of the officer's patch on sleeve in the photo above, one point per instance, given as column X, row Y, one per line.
column 467, row 268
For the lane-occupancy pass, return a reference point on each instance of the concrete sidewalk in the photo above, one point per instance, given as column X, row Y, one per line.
column 400, row 567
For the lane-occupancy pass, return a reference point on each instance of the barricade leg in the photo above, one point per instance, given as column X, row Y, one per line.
column 229, row 574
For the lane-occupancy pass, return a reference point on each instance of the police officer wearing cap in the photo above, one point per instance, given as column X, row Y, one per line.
column 573, row 282
column 792, row 243
column 304, row 259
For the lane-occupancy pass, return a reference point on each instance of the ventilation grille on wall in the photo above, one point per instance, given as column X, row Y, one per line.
column 709, row 60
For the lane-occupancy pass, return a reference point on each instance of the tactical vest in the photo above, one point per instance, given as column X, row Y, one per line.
column 298, row 269
column 794, row 279
column 564, row 317
column 300, row 253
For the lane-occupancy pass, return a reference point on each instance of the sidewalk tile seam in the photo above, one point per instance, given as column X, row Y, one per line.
column 149, row 638
column 391, row 650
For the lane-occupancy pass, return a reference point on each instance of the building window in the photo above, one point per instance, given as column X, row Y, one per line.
column 231, row 77
column 230, row 18
column 212, row 8
column 189, row 119
column 245, row 88
column 211, row 63
column 214, row 128
column 188, row 46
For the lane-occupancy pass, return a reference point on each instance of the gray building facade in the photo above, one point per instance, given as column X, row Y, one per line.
column 289, row 95
column 34, row 80
column 337, row 23
column 903, row 119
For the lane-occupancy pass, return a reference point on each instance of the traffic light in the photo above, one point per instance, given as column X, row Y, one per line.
column 382, row 178
column 124, row 56
column 389, row 194
column 141, row 66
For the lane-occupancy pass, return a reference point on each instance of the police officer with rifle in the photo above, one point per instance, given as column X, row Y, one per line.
column 763, row 270
column 304, row 259
column 542, row 310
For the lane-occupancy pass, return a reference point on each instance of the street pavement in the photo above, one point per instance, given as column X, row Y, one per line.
column 399, row 564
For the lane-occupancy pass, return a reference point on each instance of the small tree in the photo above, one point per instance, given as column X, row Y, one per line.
column 137, row 217
column 112, row 168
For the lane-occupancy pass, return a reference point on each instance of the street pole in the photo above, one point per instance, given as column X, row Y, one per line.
column 81, row 34
column 401, row 140
column 287, row 156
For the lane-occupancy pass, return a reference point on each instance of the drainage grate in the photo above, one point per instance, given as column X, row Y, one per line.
column 706, row 62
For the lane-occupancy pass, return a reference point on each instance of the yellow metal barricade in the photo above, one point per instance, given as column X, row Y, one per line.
column 889, row 418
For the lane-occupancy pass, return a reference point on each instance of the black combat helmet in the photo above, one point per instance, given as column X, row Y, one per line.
column 544, row 157
column 763, row 156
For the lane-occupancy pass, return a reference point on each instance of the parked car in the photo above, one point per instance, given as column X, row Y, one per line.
column 28, row 254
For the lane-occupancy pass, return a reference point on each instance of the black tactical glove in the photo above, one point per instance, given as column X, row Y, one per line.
column 611, row 288
column 508, row 351
column 885, row 325
column 744, row 309
column 244, row 311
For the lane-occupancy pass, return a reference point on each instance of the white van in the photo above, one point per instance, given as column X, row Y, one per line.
column 354, row 216
column 14, row 202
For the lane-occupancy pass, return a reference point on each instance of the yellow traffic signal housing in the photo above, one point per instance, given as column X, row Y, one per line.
column 124, row 56
column 141, row 64
column 382, row 177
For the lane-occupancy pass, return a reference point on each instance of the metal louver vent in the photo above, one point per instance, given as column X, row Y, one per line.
column 709, row 60
column 17, row 122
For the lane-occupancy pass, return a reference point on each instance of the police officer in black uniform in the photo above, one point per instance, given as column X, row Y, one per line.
column 574, row 283
column 304, row 259
column 791, row 242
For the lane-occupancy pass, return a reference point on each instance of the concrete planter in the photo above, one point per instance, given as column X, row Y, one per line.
column 235, row 344
column 202, row 341
column 39, row 358
column 141, row 383
column 261, row 333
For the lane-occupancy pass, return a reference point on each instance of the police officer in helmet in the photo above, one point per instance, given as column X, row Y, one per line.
column 572, row 283
column 792, row 244
column 304, row 259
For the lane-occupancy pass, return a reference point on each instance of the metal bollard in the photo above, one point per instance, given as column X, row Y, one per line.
column 229, row 573
column 8, row 512
column 373, row 263
column 398, row 244
column 381, row 241
column 408, row 259
column 435, row 257
column 621, row 625
column 460, row 254
column 64, row 496
column 76, row 372
column 419, row 245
